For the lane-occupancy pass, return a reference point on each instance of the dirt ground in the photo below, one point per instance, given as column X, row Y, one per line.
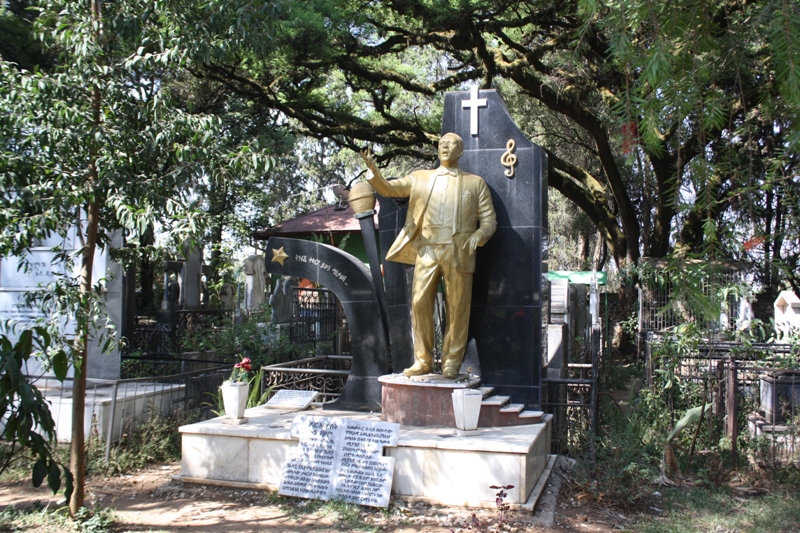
column 151, row 500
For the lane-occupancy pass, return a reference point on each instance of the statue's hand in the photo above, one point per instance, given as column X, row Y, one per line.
column 472, row 243
column 369, row 159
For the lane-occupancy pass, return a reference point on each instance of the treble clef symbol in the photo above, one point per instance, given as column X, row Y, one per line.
column 508, row 159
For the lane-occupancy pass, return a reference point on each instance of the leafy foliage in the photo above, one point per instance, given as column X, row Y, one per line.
column 28, row 428
column 156, row 441
column 96, row 144
column 252, row 336
column 663, row 123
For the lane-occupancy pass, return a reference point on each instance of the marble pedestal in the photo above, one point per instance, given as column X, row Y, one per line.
column 432, row 464
column 426, row 401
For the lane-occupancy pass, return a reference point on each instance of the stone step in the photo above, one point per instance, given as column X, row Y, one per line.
column 486, row 391
column 495, row 400
column 515, row 408
column 531, row 416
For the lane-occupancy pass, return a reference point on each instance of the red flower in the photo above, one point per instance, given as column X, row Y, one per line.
column 630, row 137
column 245, row 364
column 754, row 242
column 241, row 370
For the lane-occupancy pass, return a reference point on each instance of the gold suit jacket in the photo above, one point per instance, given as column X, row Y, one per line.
column 474, row 213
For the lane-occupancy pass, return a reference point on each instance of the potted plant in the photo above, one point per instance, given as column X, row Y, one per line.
column 235, row 389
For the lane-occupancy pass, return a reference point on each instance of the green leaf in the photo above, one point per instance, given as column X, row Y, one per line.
column 692, row 415
column 60, row 365
column 24, row 345
column 68, row 484
column 40, row 471
column 54, row 477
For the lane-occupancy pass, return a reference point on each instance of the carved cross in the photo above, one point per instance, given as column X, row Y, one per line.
column 473, row 104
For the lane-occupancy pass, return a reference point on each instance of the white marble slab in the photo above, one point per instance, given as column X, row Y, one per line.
column 292, row 399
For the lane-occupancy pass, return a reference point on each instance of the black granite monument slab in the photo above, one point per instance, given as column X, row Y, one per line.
column 397, row 279
column 350, row 281
column 507, row 297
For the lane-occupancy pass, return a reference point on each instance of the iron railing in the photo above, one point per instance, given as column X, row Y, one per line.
column 318, row 320
column 166, row 334
column 325, row 374
column 119, row 407
column 573, row 399
column 749, row 390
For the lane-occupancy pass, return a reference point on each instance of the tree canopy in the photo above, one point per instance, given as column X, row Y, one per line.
column 665, row 123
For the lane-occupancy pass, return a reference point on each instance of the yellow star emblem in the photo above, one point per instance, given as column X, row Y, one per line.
column 279, row 255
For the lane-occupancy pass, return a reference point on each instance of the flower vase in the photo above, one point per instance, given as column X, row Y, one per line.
column 234, row 398
column 467, row 408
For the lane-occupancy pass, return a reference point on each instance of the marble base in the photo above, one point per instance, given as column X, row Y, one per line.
column 424, row 401
column 431, row 464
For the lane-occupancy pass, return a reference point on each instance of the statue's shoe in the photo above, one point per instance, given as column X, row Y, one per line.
column 450, row 372
column 418, row 369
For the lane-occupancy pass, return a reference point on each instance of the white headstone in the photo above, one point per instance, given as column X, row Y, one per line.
column 559, row 301
column 255, row 281
column 43, row 269
column 787, row 312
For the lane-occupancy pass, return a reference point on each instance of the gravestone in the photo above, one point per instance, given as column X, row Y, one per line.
column 255, row 281
column 508, row 297
column 191, row 277
column 172, row 288
column 281, row 300
column 787, row 313
column 227, row 296
column 351, row 283
column 43, row 269
column 340, row 458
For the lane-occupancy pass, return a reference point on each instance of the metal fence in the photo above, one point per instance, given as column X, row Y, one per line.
column 573, row 399
column 166, row 333
column 660, row 310
column 749, row 391
column 118, row 407
column 154, row 366
column 325, row 374
column 318, row 319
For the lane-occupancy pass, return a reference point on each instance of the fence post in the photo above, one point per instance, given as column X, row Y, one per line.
column 595, row 379
column 111, row 417
column 732, row 411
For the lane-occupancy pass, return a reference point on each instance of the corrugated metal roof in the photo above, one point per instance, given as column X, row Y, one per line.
column 325, row 220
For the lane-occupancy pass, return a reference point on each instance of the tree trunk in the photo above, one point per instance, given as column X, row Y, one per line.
column 77, row 455
column 77, row 451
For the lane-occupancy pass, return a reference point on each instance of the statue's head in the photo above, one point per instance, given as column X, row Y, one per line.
column 451, row 146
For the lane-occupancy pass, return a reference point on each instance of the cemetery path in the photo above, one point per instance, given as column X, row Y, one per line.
column 151, row 501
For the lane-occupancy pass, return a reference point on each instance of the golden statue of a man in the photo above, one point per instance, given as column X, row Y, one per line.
column 450, row 214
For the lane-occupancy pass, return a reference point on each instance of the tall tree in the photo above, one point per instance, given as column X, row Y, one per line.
column 97, row 144
column 651, row 94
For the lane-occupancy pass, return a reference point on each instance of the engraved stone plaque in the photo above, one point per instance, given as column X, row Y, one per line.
column 340, row 458
column 292, row 399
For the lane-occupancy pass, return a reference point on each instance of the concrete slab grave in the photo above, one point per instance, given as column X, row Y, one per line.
column 428, row 461
column 430, row 464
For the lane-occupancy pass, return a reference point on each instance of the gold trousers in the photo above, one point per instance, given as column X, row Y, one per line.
column 434, row 262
